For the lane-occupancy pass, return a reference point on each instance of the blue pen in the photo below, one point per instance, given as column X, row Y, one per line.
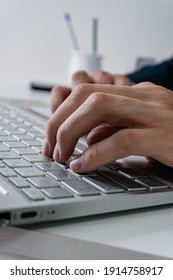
column 71, row 31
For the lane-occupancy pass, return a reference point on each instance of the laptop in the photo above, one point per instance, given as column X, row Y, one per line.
column 35, row 189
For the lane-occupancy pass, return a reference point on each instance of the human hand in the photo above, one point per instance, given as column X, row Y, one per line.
column 59, row 94
column 136, row 120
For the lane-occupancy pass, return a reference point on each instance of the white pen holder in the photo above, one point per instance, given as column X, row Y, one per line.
column 86, row 62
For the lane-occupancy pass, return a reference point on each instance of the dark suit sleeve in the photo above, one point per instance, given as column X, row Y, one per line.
column 160, row 74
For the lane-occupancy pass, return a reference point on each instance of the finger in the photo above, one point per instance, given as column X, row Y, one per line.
column 144, row 84
column 101, row 77
column 99, row 108
column 123, row 143
column 58, row 95
column 70, row 104
column 81, row 77
column 101, row 132
column 121, row 80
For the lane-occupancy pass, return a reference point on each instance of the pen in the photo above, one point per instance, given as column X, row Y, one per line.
column 71, row 31
column 95, row 36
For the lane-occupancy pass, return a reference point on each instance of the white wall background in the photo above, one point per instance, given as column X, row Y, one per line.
column 34, row 39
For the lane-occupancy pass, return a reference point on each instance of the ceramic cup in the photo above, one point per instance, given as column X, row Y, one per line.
column 86, row 62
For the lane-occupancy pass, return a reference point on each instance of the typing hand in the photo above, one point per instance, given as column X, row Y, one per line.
column 136, row 120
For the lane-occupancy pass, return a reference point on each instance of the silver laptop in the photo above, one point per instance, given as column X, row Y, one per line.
column 35, row 189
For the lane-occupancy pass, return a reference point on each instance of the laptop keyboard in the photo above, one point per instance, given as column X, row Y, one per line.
column 40, row 178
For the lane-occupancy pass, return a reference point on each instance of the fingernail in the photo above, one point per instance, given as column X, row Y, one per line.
column 76, row 165
column 45, row 147
column 56, row 153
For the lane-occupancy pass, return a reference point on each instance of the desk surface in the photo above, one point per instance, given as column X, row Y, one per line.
column 146, row 231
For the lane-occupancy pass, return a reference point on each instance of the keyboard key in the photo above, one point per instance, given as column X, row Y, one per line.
column 38, row 149
column 3, row 133
column 33, row 142
column 7, row 139
column 80, row 175
column 43, row 182
column 15, row 121
column 36, row 158
column 114, row 165
column 3, row 148
column 3, row 122
column 103, row 184
column 48, row 166
column 37, row 133
column 19, row 182
column 25, row 151
column 29, row 129
column 8, row 154
column 2, row 109
column 1, row 164
column 33, row 194
column 80, row 147
column 61, row 175
column 41, row 139
column 29, row 172
column 24, row 137
column 13, row 163
column 15, row 132
column 131, row 173
column 126, row 183
column 40, row 127
column 80, row 187
column 7, row 172
column 23, row 125
column 58, row 192
column 152, row 183
column 15, row 144
column 76, row 153
column 7, row 127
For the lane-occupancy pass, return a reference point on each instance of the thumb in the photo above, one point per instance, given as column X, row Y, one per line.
column 123, row 143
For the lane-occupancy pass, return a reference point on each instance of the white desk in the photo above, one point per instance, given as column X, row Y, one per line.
column 145, row 231
column 135, row 234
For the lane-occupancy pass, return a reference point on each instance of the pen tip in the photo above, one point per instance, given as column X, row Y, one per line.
column 67, row 16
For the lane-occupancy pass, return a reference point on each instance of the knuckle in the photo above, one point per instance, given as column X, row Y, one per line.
column 94, row 154
column 100, row 74
column 77, row 75
column 146, row 84
column 81, row 89
column 61, row 134
column 50, row 125
column 159, row 88
column 164, row 96
column 56, row 90
column 121, row 80
column 127, row 138
column 164, row 92
column 103, row 77
column 53, row 106
column 97, row 99
column 56, row 93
